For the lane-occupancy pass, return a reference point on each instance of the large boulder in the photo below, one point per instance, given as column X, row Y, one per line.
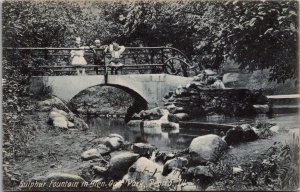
column 60, row 122
column 146, row 175
column 143, row 149
column 234, row 135
column 248, row 133
column 90, row 154
column 156, row 123
column 103, row 149
column 163, row 157
column 54, row 114
column 152, row 114
column 261, row 109
column 198, row 171
column 100, row 171
column 59, row 118
column 150, row 126
column 182, row 116
column 57, row 113
column 62, row 112
column 120, row 162
column 143, row 170
column 116, row 135
column 239, row 134
column 143, row 164
column 178, row 162
column 204, row 175
column 60, row 177
column 114, row 143
column 206, row 148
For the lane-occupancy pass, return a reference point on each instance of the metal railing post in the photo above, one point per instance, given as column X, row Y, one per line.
column 162, row 60
column 46, row 53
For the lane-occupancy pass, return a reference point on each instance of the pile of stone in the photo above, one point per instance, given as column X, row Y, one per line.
column 242, row 133
column 193, row 162
column 152, row 120
column 169, row 172
column 193, row 101
column 197, row 100
column 141, row 166
column 200, row 99
column 60, row 116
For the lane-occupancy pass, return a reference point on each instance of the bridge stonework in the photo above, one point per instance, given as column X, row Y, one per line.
column 151, row 87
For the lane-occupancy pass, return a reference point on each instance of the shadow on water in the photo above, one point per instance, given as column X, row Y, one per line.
column 172, row 139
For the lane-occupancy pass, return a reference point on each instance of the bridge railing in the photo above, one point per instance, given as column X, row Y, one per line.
column 56, row 61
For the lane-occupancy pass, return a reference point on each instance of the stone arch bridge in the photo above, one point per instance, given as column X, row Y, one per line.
column 150, row 87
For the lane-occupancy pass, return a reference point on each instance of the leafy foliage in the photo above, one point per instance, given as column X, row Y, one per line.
column 263, row 35
column 275, row 169
column 257, row 35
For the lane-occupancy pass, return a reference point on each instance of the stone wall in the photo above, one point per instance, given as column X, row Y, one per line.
column 197, row 101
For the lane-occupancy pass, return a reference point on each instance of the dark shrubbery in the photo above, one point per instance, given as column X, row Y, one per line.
column 275, row 169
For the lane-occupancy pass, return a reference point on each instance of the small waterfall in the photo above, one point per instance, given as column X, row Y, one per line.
column 152, row 158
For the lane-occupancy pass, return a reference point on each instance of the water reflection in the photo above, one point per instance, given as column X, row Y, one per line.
column 221, row 119
column 172, row 139
column 164, row 140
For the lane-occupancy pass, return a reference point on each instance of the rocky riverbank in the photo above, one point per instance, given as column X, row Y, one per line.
column 65, row 155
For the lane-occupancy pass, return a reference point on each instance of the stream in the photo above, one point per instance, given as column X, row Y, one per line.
column 173, row 140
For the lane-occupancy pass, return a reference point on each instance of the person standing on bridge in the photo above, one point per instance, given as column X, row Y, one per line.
column 115, row 62
column 77, row 58
column 99, row 55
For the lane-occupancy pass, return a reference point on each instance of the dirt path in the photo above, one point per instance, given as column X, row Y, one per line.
column 53, row 149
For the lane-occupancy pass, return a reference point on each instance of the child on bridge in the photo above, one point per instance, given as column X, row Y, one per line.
column 99, row 55
column 77, row 58
column 115, row 51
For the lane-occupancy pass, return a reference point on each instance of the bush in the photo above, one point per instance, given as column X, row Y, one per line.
column 277, row 168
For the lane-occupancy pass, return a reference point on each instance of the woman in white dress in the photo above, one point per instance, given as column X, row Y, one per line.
column 77, row 58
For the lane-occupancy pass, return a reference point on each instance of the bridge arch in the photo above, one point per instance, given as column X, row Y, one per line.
column 151, row 87
column 139, row 102
column 133, row 93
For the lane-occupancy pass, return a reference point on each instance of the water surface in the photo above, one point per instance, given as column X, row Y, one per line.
column 173, row 140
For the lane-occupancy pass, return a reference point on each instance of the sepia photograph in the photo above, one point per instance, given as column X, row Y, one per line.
column 154, row 95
